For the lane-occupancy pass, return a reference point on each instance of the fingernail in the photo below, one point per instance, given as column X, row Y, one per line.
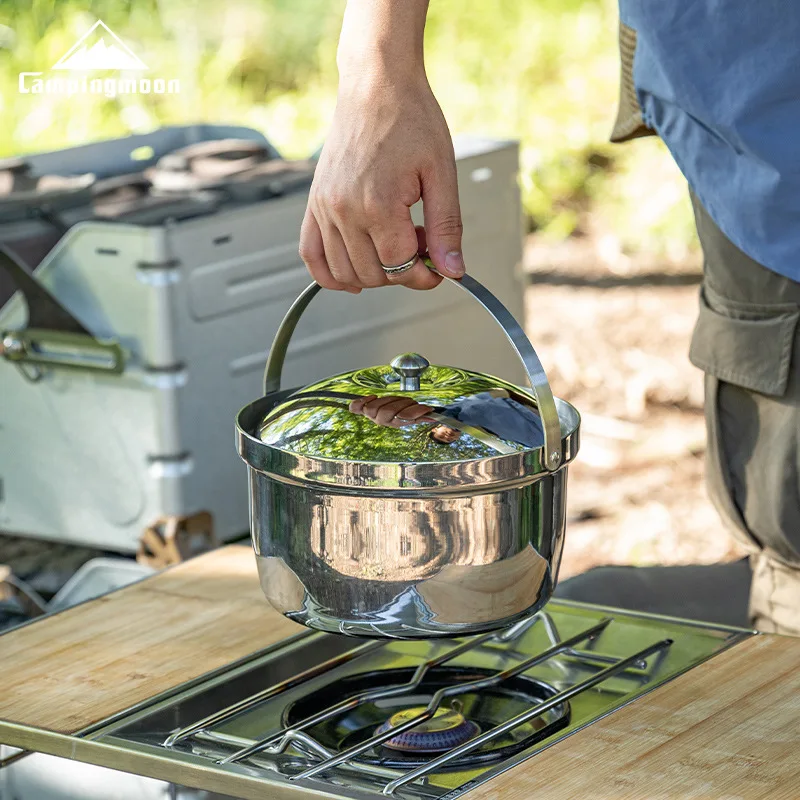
column 352, row 290
column 454, row 263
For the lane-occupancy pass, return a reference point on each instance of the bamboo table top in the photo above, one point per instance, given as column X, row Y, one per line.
column 75, row 668
column 727, row 729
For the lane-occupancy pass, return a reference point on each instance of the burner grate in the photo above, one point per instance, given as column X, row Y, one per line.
column 476, row 711
column 566, row 654
column 441, row 761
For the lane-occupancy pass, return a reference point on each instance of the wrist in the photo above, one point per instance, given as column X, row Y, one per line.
column 382, row 40
column 377, row 69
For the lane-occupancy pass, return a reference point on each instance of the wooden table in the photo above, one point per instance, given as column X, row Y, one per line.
column 729, row 728
column 70, row 670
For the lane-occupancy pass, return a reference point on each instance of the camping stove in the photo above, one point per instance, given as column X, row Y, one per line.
column 327, row 715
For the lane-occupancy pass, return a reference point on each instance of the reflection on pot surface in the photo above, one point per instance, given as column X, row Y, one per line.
column 494, row 413
column 453, row 561
column 443, row 420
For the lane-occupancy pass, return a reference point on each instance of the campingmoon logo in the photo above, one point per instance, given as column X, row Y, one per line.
column 99, row 49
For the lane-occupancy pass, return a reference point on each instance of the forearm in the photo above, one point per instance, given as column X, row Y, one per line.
column 388, row 148
column 382, row 37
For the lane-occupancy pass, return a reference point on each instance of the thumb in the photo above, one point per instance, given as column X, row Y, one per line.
column 443, row 226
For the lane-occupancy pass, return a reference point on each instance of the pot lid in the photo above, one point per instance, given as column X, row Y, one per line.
column 471, row 416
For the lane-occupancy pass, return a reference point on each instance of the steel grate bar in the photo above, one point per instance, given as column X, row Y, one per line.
column 283, row 738
column 248, row 702
column 452, row 691
column 520, row 719
column 306, row 744
column 297, row 736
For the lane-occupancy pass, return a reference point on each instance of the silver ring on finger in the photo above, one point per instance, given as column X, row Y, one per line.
column 401, row 268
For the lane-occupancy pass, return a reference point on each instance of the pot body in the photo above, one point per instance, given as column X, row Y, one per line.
column 427, row 550
column 447, row 564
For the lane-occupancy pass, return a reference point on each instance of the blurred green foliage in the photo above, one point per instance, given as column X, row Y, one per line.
column 542, row 71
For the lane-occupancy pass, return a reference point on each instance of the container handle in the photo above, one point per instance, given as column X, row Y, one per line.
column 551, row 425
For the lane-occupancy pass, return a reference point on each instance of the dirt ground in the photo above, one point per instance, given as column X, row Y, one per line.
column 613, row 334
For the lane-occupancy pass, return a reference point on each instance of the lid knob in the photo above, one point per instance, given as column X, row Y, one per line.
column 410, row 366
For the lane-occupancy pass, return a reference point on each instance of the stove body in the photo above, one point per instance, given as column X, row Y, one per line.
column 309, row 717
column 194, row 302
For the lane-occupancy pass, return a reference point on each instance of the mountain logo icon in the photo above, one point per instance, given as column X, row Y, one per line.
column 105, row 50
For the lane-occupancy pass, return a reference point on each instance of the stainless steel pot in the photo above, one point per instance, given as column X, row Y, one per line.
column 399, row 531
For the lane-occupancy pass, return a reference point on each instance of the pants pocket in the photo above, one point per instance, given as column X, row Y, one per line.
column 629, row 123
column 752, row 419
column 775, row 596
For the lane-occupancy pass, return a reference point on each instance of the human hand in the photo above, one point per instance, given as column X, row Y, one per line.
column 388, row 147
column 391, row 411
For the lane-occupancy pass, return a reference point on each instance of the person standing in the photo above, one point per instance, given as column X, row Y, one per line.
column 717, row 81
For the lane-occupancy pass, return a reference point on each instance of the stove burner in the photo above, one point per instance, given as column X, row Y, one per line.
column 445, row 730
column 480, row 711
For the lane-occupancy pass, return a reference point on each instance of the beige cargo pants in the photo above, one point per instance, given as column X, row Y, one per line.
column 747, row 342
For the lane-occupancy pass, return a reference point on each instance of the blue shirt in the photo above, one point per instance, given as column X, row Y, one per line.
column 719, row 81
